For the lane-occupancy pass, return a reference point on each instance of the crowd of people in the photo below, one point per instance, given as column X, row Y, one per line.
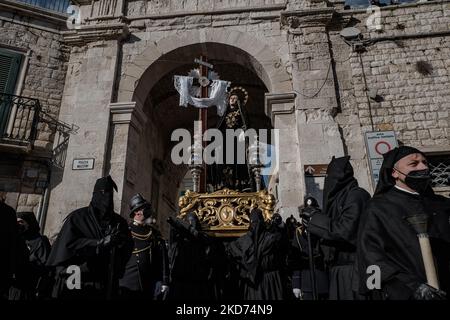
column 326, row 252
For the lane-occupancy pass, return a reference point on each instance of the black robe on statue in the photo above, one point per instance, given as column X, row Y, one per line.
column 388, row 241
column 259, row 259
column 343, row 203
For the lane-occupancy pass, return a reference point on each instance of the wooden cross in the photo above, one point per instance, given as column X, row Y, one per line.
column 203, row 113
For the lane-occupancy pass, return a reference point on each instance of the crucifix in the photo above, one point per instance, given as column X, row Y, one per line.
column 202, row 89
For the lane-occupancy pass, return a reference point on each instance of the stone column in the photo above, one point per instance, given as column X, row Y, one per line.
column 289, row 182
column 87, row 94
column 127, row 121
column 316, row 104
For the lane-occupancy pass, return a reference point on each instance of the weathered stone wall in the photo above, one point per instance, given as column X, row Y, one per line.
column 44, row 65
column 415, row 105
column 87, row 95
column 174, row 6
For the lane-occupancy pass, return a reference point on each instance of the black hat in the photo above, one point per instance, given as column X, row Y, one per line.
column 138, row 202
column 105, row 184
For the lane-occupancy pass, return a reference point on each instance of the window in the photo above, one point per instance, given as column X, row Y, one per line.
column 440, row 170
column 9, row 70
column 54, row 5
column 358, row 4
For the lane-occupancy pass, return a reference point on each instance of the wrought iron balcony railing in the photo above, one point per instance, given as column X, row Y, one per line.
column 19, row 117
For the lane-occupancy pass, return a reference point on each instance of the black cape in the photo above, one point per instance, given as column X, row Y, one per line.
column 299, row 266
column 385, row 239
column 259, row 257
column 343, row 203
column 8, row 244
column 34, row 271
column 190, row 266
column 77, row 245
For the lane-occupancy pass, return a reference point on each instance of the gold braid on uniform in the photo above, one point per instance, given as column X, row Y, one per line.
column 140, row 250
column 141, row 236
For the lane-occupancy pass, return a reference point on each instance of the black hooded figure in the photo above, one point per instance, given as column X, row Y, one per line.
column 13, row 249
column 386, row 239
column 147, row 271
column 34, row 270
column 190, row 261
column 98, row 241
column 259, row 258
column 307, row 267
column 343, row 203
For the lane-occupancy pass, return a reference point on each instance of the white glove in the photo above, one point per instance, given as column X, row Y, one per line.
column 297, row 293
column 164, row 288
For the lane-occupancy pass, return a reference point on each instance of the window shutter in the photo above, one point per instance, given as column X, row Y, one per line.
column 9, row 70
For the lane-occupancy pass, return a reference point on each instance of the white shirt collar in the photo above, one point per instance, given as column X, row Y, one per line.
column 407, row 191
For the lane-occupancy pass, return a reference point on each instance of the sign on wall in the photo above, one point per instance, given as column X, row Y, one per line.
column 377, row 144
column 315, row 170
column 83, row 164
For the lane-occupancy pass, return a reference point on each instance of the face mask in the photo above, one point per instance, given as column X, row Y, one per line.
column 418, row 180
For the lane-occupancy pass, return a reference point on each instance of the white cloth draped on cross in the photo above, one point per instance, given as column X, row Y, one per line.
column 217, row 98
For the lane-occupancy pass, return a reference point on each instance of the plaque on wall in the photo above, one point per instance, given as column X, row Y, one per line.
column 83, row 164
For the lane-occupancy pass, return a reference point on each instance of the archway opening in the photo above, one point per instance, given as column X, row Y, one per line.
column 160, row 179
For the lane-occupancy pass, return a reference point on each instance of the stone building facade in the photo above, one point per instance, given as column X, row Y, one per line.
column 321, row 91
column 33, row 65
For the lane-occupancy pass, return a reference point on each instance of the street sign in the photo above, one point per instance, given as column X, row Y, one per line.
column 83, row 164
column 377, row 144
column 315, row 170
column 380, row 142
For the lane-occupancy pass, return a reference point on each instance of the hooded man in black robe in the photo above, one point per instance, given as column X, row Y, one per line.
column 259, row 258
column 33, row 271
column 147, row 272
column 386, row 240
column 98, row 241
column 343, row 203
column 191, row 261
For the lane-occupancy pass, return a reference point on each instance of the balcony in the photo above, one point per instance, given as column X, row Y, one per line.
column 19, row 118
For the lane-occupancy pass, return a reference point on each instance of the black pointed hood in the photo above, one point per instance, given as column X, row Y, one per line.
column 340, row 176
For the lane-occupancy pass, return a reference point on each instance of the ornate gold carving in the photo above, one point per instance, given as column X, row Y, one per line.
column 225, row 213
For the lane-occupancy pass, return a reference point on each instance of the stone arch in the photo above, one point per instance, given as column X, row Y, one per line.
column 138, row 76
